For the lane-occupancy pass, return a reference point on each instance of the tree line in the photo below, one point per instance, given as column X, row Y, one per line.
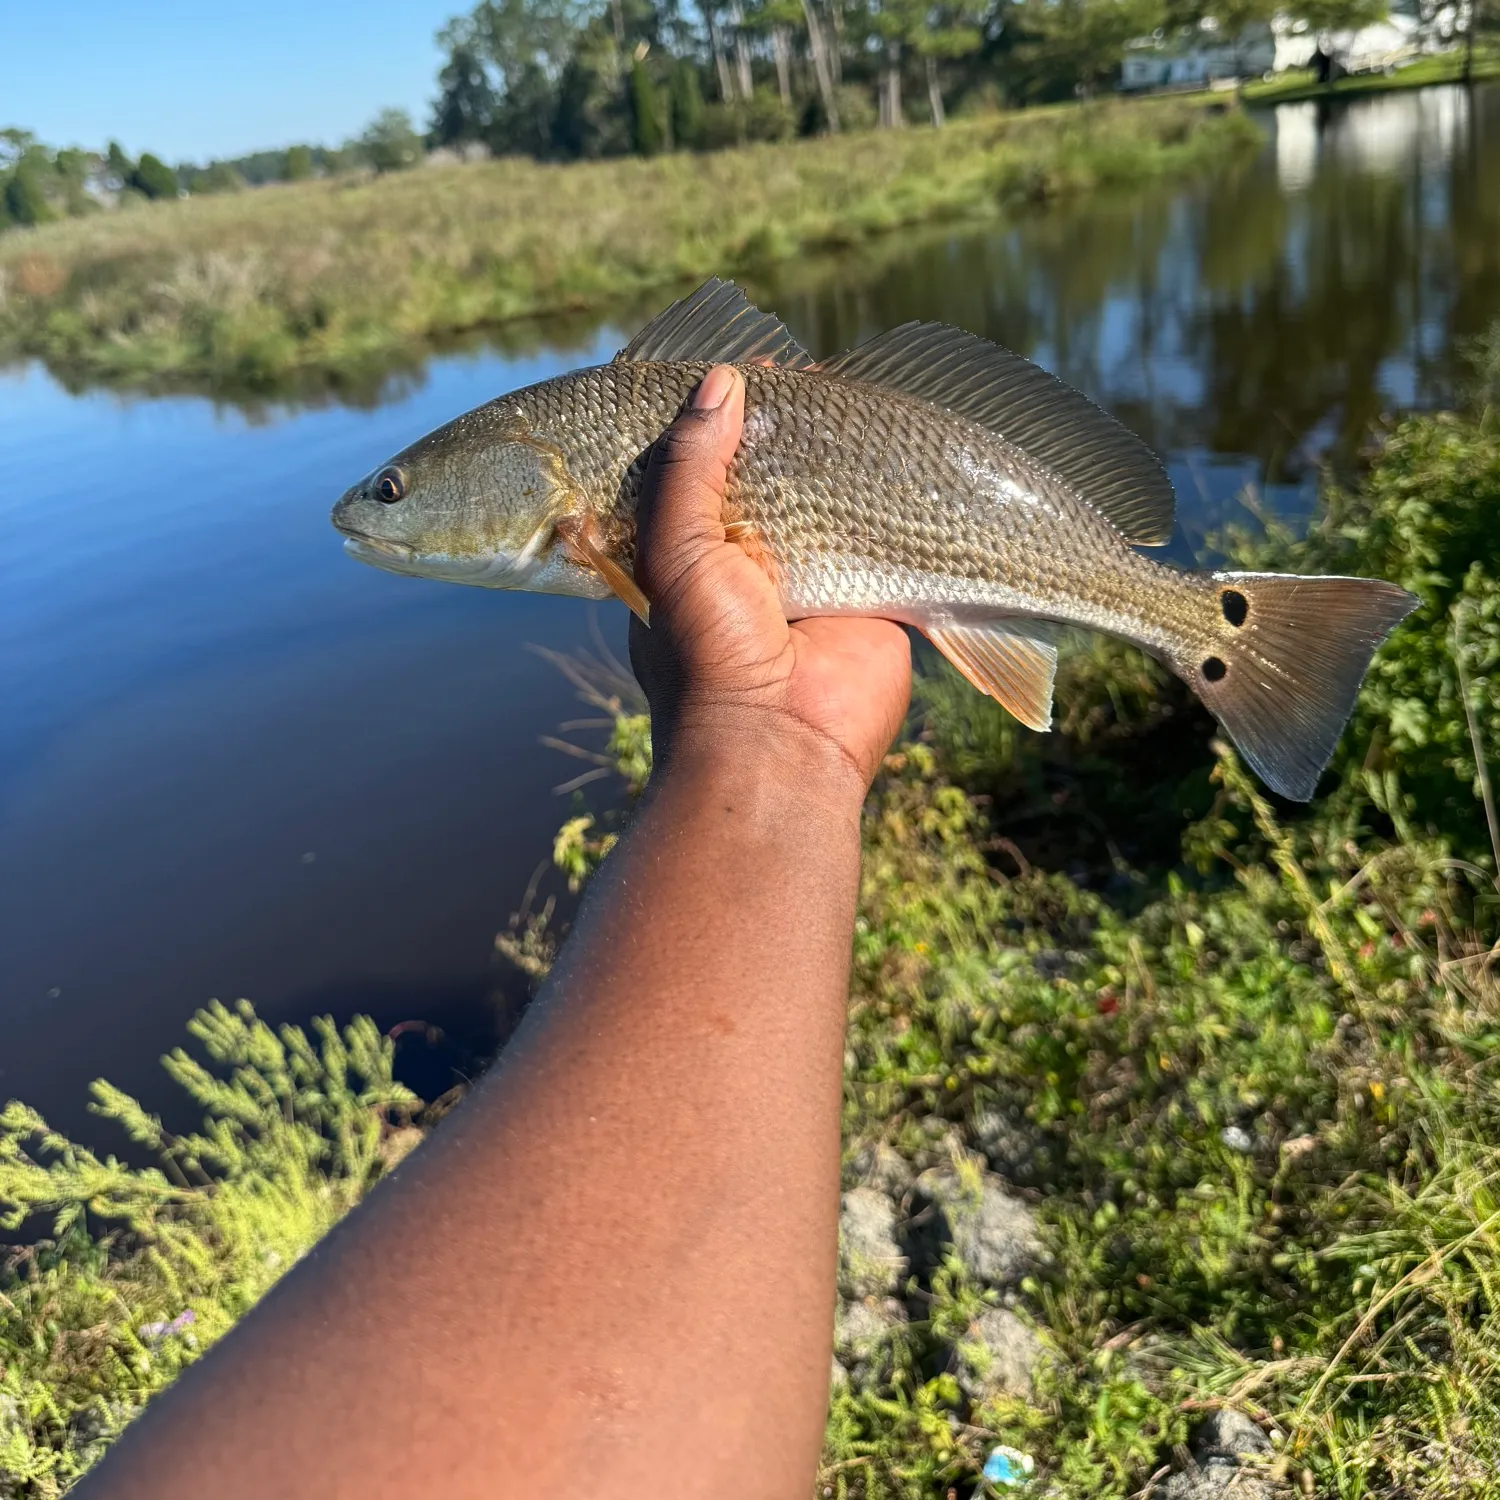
column 579, row 78
column 568, row 79
column 39, row 183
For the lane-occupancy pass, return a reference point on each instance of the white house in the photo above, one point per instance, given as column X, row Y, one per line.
column 1203, row 54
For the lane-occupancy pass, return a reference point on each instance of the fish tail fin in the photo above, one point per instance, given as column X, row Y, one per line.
column 1292, row 656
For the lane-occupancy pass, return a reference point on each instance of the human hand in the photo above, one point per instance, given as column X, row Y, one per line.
column 720, row 664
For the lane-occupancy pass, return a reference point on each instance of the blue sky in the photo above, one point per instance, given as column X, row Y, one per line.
column 215, row 77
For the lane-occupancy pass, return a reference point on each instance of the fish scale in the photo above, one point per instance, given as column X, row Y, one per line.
column 812, row 489
column 927, row 476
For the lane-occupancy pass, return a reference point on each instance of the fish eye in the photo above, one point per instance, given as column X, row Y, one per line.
column 1235, row 605
column 1214, row 669
column 390, row 486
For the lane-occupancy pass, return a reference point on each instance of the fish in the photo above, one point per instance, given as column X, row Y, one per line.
column 926, row 476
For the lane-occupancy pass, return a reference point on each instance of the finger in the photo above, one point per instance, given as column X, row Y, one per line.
column 682, row 500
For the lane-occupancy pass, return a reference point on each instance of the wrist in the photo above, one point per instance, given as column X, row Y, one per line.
column 763, row 754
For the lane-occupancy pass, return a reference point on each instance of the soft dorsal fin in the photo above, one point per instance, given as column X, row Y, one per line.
column 1107, row 465
column 717, row 323
column 1014, row 661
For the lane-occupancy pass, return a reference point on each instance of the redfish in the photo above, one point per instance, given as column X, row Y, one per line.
column 928, row 477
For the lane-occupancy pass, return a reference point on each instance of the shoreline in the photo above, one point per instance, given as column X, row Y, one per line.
column 1429, row 72
column 335, row 279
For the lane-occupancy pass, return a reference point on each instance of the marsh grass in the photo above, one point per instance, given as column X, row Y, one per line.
column 339, row 276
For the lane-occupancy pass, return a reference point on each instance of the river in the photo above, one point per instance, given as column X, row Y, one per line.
column 234, row 763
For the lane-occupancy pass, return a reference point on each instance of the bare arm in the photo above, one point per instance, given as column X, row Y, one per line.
column 611, row 1271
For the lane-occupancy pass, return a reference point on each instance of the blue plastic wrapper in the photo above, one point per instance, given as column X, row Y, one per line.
column 1008, row 1467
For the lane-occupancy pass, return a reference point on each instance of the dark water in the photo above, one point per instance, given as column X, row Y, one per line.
column 234, row 763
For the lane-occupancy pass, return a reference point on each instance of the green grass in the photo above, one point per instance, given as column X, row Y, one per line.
column 1446, row 67
column 334, row 278
column 1323, row 980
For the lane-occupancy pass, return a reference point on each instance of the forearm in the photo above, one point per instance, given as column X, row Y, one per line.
column 559, row 1314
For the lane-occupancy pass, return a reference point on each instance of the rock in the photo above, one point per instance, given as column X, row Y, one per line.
column 862, row 1337
column 1217, row 1480
column 1237, row 1138
column 996, row 1356
column 1228, row 1434
column 1227, row 1448
column 883, row 1168
column 1009, row 1146
column 1058, row 963
column 870, row 1258
column 838, row 1376
column 993, row 1233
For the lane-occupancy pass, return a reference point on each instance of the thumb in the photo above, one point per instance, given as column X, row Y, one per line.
column 682, row 500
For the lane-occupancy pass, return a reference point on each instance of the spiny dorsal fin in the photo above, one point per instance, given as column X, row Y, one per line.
column 1014, row 661
column 1106, row 465
column 720, row 324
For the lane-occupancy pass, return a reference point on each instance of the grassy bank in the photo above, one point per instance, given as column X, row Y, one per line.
column 336, row 276
column 1230, row 1073
column 1446, row 67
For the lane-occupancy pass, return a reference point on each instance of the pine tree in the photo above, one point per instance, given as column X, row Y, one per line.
column 647, row 132
column 687, row 106
column 119, row 166
column 154, row 178
column 298, row 164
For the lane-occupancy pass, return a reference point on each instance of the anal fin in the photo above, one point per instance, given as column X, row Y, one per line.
column 1013, row 661
column 577, row 534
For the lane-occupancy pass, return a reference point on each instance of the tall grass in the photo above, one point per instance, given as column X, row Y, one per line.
column 335, row 276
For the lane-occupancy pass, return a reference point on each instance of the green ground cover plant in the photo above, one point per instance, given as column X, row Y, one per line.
column 339, row 276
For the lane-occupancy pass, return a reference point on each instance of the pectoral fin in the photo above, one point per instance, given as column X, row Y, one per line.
column 580, row 542
column 1013, row 661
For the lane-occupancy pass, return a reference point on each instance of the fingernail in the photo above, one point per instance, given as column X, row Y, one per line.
column 713, row 389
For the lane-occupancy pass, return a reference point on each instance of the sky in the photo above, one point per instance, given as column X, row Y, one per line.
column 215, row 78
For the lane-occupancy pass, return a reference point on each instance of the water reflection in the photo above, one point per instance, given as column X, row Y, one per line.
column 1295, row 140
column 1274, row 313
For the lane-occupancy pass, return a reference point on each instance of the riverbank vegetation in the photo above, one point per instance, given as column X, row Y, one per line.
column 1171, row 1120
column 338, row 276
column 127, row 1274
column 1457, row 66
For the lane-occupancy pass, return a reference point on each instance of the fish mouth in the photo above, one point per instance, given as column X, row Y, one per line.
column 397, row 557
column 391, row 557
column 357, row 542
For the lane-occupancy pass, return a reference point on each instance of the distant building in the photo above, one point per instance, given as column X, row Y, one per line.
column 1204, row 55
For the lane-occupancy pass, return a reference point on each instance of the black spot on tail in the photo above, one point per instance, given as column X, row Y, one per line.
column 1235, row 605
